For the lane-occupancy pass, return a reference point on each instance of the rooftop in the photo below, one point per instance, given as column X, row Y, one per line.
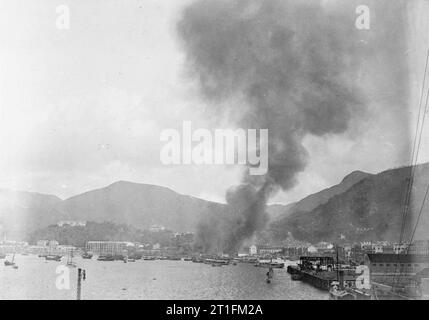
column 399, row 258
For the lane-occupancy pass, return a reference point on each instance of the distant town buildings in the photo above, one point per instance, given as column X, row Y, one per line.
column 71, row 223
column 108, row 247
column 157, row 228
column 265, row 250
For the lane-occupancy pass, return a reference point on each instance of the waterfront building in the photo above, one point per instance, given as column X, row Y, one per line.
column 377, row 248
column 253, row 250
column 108, row 247
column 269, row 250
column 42, row 243
column 395, row 268
column 399, row 248
column 419, row 247
column 53, row 244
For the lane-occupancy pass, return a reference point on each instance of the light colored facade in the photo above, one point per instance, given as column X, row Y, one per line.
column 253, row 250
column 399, row 248
column 269, row 250
column 72, row 223
column 42, row 243
column 108, row 247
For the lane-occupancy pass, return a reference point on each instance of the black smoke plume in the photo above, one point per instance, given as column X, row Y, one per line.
column 293, row 68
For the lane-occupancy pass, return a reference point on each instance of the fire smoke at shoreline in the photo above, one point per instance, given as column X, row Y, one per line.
column 294, row 66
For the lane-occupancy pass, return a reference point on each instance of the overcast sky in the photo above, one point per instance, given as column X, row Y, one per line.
column 84, row 107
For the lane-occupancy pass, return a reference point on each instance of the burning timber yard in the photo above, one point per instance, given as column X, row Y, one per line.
column 214, row 149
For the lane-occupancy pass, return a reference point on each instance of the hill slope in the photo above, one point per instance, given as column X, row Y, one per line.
column 312, row 201
column 140, row 205
column 371, row 209
column 21, row 212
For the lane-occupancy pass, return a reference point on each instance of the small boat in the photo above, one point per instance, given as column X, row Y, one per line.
column 42, row 255
column 187, row 259
column 106, row 258
column 131, row 260
column 279, row 265
column 9, row 263
column 148, row 258
column 53, row 257
column 338, row 293
column 220, row 262
column 87, row 255
column 173, row 258
column 15, row 266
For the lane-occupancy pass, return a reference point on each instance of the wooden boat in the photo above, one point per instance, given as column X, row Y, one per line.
column 9, row 263
column 87, row 255
column 217, row 262
column 148, row 258
column 279, row 265
column 53, row 257
column 106, row 258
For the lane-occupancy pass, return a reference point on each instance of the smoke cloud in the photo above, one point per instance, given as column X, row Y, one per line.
column 296, row 69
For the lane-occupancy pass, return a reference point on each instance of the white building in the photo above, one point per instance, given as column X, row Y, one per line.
column 399, row 248
column 108, row 247
column 72, row 223
column 253, row 250
column 156, row 228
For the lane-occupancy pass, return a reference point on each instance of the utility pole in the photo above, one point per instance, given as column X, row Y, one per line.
column 80, row 274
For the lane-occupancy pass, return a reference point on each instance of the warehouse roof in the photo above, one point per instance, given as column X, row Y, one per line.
column 398, row 258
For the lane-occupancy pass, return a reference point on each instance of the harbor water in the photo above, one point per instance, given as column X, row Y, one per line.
column 37, row 278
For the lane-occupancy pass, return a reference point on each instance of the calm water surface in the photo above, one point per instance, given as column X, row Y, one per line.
column 159, row 279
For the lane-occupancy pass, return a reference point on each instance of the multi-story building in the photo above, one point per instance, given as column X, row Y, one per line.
column 399, row 248
column 395, row 268
column 253, row 250
column 108, row 247
column 269, row 250
column 419, row 247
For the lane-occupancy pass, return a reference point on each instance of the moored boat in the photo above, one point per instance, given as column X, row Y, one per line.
column 106, row 258
column 217, row 262
column 279, row 265
column 9, row 263
column 87, row 255
column 148, row 258
column 53, row 257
